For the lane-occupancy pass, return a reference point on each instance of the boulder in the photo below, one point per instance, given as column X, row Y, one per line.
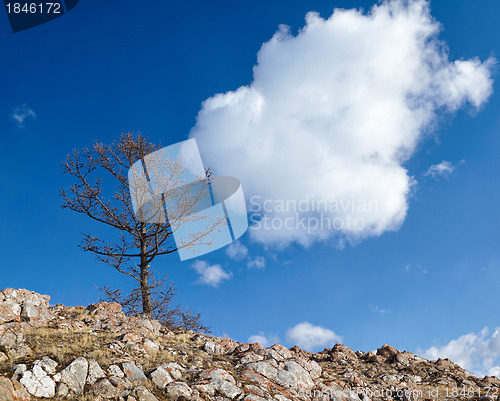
column 217, row 374
column 213, row 348
column 47, row 364
column 176, row 390
column 103, row 388
column 11, row 390
column 75, row 375
column 38, row 383
column 161, row 378
column 95, row 372
column 387, row 351
column 141, row 393
column 225, row 388
column 134, row 373
column 23, row 305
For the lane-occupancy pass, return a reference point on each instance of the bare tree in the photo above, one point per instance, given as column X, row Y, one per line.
column 146, row 232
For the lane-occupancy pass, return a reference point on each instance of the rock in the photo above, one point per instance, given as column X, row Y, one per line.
column 161, row 378
column 132, row 338
column 227, row 389
column 106, row 310
column 282, row 351
column 174, row 369
column 151, row 347
column 311, row 366
column 178, row 389
column 249, row 357
column 134, row 373
column 23, row 305
column 213, row 348
column 143, row 394
column 217, row 374
column 205, row 389
column 11, row 390
column 47, row 364
column 18, row 370
column 75, row 375
column 9, row 312
column 286, row 379
column 38, row 383
column 95, row 372
column 343, row 355
column 103, row 388
column 247, row 347
column 263, row 368
column 147, row 326
column 115, row 370
column 12, row 341
column 401, row 359
column 62, row 390
column 303, row 379
column 387, row 351
column 253, row 397
column 122, row 384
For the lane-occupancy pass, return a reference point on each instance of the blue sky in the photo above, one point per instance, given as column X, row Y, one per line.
column 432, row 281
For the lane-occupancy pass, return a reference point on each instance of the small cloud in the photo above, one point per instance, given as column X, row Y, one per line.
column 310, row 337
column 237, row 251
column 22, row 113
column 477, row 352
column 262, row 339
column 379, row 310
column 417, row 268
column 210, row 274
column 495, row 371
column 259, row 263
column 443, row 169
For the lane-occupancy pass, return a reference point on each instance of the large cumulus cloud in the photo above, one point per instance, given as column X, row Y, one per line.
column 332, row 114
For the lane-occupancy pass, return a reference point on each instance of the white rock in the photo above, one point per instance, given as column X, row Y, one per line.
column 75, row 375
column 47, row 364
column 115, row 370
column 174, row 369
column 95, row 372
column 134, row 373
column 213, row 348
column 177, row 389
column 303, row 378
column 226, row 388
column 161, row 378
column 38, row 383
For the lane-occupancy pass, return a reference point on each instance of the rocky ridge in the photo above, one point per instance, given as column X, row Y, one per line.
column 97, row 353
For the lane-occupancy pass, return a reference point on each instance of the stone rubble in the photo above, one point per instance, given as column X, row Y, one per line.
column 97, row 353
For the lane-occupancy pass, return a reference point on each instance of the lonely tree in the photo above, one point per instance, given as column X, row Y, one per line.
column 102, row 191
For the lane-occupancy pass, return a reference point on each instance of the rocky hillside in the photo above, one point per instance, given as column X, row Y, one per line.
column 97, row 353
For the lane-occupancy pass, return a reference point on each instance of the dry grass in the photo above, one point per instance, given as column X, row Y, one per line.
column 65, row 345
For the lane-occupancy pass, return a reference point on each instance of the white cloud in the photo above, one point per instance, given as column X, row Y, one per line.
column 416, row 268
column 379, row 310
column 477, row 352
column 236, row 250
column 210, row 274
column 265, row 341
column 259, row 262
column 443, row 169
column 331, row 115
column 310, row 337
column 21, row 113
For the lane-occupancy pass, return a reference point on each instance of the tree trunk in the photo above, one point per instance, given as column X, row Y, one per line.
column 147, row 309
